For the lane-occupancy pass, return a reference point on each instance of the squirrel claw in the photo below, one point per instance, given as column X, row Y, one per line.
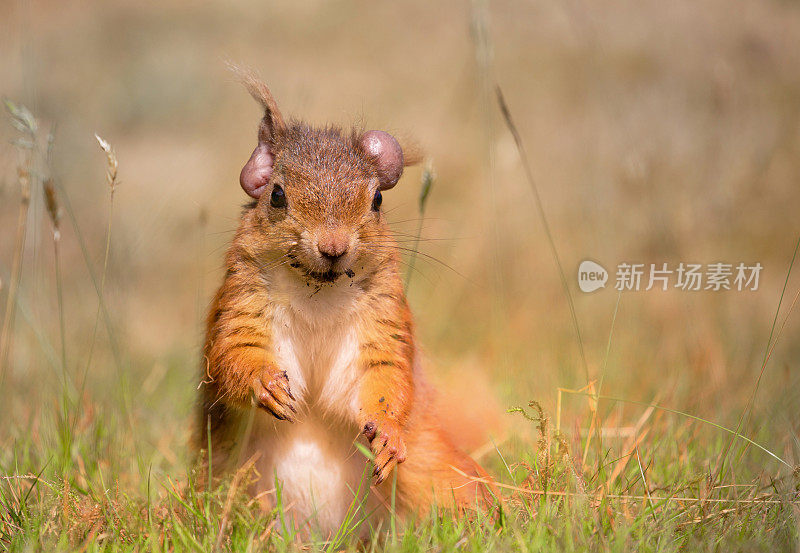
column 388, row 448
column 274, row 396
column 381, row 472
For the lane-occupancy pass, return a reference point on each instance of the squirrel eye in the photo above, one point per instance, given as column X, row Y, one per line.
column 377, row 201
column 278, row 197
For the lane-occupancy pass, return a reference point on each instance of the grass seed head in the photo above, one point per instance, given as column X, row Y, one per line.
column 111, row 162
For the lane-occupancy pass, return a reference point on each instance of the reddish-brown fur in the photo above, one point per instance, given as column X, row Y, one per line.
column 329, row 181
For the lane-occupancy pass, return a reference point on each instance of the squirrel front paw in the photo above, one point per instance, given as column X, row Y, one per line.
column 387, row 445
column 272, row 393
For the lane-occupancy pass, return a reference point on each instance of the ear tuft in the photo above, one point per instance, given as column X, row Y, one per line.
column 272, row 125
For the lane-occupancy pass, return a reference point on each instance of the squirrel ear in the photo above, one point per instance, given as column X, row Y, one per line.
column 386, row 154
column 256, row 173
column 272, row 124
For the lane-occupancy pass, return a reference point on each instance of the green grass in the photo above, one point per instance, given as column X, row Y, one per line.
column 93, row 456
column 663, row 499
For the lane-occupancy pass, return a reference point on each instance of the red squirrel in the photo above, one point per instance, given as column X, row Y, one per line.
column 310, row 343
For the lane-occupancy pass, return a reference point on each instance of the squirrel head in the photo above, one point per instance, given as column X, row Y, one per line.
column 318, row 193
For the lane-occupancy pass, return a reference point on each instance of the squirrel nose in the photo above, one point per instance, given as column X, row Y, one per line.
column 332, row 246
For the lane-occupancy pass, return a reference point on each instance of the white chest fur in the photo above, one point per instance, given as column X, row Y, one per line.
column 314, row 458
column 319, row 356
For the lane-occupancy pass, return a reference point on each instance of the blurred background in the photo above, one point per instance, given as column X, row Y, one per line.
column 655, row 132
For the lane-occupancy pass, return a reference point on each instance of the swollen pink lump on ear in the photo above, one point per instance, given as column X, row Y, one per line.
column 387, row 154
column 256, row 173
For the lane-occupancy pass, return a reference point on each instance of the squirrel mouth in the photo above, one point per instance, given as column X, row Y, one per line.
column 321, row 277
column 326, row 277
